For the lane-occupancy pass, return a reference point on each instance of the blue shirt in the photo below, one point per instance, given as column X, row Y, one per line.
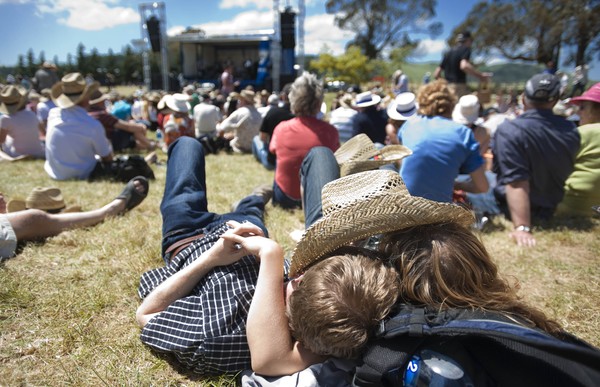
column 441, row 149
column 540, row 147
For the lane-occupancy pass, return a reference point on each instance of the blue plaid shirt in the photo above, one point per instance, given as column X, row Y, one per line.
column 205, row 331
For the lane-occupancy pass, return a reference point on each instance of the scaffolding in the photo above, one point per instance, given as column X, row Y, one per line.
column 157, row 10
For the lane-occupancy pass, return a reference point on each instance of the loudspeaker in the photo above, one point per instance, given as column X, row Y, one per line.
column 153, row 25
column 288, row 29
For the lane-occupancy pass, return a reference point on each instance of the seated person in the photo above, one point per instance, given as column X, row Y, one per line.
column 122, row 134
column 582, row 188
column 240, row 127
column 19, row 127
column 214, row 285
column 294, row 138
column 34, row 224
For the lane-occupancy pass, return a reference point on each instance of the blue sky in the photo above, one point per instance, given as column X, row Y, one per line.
column 58, row 26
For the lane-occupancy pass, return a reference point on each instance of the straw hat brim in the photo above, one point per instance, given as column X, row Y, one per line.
column 387, row 155
column 14, row 107
column 368, row 216
column 66, row 101
column 45, row 198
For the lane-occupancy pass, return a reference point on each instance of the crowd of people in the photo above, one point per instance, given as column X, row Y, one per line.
column 396, row 230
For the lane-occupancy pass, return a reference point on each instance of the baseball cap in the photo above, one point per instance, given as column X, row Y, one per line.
column 542, row 88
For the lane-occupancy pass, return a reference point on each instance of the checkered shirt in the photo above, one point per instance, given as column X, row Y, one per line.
column 205, row 331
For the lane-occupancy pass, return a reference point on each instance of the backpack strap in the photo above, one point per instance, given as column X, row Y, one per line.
column 384, row 354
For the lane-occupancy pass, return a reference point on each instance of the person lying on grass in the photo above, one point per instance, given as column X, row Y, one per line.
column 219, row 304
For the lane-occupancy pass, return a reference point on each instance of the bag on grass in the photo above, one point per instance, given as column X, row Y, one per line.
column 459, row 347
column 122, row 168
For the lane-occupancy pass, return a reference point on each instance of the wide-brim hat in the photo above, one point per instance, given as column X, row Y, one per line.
column 366, row 204
column 97, row 96
column 402, row 107
column 592, row 94
column 42, row 198
column 366, row 99
column 12, row 99
column 466, row 111
column 247, row 95
column 72, row 89
column 177, row 102
column 153, row 96
column 360, row 154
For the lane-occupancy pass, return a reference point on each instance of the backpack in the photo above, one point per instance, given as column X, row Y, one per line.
column 477, row 348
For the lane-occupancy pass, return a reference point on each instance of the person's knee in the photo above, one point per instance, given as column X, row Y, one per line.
column 187, row 145
column 318, row 153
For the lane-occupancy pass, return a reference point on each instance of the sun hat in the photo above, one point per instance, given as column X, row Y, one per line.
column 366, row 99
column 366, row 204
column 49, row 65
column 466, row 111
column 542, row 88
column 12, row 99
column 72, row 89
column 346, row 100
column 42, row 198
column 176, row 102
column 592, row 94
column 153, row 96
column 360, row 154
column 402, row 107
column 247, row 95
column 97, row 96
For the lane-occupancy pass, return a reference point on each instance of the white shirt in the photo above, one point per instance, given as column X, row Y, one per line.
column 43, row 108
column 73, row 140
column 22, row 134
column 206, row 118
column 341, row 118
column 245, row 123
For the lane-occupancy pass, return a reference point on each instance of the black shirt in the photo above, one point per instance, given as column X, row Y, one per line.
column 274, row 116
column 451, row 64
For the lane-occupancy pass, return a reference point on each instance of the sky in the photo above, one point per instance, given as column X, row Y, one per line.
column 58, row 26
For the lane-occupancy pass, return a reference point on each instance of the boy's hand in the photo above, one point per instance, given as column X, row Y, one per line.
column 251, row 240
column 226, row 251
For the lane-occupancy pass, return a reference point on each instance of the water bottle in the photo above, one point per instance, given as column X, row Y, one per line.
column 159, row 136
column 429, row 368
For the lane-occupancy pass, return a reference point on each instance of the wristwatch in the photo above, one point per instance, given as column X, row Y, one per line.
column 523, row 228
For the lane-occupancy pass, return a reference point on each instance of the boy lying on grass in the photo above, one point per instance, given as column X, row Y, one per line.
column 220, row 305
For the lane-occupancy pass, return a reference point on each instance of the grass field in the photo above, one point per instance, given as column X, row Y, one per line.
column 67, row 304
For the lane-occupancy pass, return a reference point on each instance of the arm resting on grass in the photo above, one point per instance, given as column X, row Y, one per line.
column 517, row 197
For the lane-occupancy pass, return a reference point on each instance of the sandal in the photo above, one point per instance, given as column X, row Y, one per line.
column 131, row 195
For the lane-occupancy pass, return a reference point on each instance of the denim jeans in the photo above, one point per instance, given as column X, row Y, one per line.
column 261, row 152
column 184, row 207
column 318, row 168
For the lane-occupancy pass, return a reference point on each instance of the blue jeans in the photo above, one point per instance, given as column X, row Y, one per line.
column 261, row 153
column 319, row 167
column 184, row 207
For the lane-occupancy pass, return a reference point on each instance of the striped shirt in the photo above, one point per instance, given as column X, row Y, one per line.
column 205, row 331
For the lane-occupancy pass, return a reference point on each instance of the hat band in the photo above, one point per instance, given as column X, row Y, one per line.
column 405, row 111
column 369, row 99
column 73, row 93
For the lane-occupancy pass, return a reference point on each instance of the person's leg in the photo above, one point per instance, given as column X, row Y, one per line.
column 284, row 201
column 319, row 167
column 260, row 152
column 251, row 209
column 184, row 207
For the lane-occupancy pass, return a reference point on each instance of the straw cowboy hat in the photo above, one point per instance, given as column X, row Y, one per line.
column 359, row 154
column 97, row 96
column 13, row 98
column 248, row 96
column 366, row 99
column 366, row 204
column 466, row 111
column 42, row 198
column 402, row 107
column 72, row 89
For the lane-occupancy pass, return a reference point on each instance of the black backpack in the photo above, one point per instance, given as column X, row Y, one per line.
column 490, row 348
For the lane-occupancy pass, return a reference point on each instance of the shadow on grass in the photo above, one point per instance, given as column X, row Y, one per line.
column 558, row 223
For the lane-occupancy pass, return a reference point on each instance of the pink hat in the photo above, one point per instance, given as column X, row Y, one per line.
column 592, row 94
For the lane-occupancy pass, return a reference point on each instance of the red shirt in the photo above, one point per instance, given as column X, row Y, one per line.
column 291, row 141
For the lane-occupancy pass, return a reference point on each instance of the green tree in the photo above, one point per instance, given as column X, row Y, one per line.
column 31, row 66
column 82, row 65
column 21, row 69
column 42, row 58
column 351, row 67
column 380, row 24
column 95, row 63
column 69, row 66
column 132, row 65
column 535, row 30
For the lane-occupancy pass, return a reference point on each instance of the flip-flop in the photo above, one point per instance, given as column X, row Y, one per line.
column 131, row 195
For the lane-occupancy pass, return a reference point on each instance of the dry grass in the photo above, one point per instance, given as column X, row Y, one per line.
column 67, row 305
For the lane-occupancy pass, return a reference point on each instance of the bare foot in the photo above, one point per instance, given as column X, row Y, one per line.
column 151, row 158
column 2, row 204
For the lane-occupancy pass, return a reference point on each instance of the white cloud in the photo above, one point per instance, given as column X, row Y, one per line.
column 320, row 31
column 242, row 22
column 260, row 4
column 90, row 15
column 429, row 47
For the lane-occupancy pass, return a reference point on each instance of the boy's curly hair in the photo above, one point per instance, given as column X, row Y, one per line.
column 340, row 302
column 436, row 99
